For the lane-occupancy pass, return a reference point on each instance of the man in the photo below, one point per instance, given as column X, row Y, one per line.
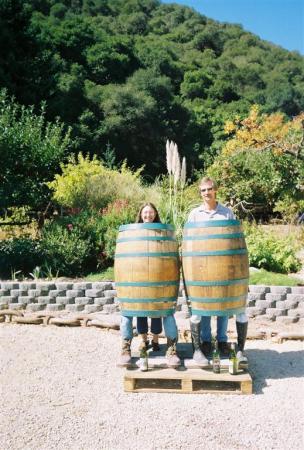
column 201, row 326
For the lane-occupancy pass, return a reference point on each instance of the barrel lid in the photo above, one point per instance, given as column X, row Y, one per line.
column 214, row 223
column 147, row 226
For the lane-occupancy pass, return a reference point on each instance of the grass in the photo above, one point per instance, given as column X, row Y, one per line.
column 104, row 275
column 260, row 277
column 272, row 279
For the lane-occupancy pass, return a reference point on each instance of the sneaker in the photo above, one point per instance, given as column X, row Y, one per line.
column 200, row 358
column 206, row 348
column 241, row 357
column 155, row 346
column 124, row 360
column 224, row 348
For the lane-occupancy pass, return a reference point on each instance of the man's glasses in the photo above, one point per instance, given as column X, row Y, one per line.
column 206, row 189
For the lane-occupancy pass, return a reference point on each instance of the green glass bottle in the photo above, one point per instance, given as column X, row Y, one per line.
column 216, row 360
column 143, row 361
column 233, row 361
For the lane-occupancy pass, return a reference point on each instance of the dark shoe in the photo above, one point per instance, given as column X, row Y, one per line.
column 224, row 348
column 155, row 346
column 206, row 348
column 241, row 334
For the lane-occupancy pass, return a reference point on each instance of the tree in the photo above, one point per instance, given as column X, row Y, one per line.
column 261, row 166
column 65, row 51
column 260, row 132
column 31, row 150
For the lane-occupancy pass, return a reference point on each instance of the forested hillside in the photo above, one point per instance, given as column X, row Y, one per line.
column 128, row 74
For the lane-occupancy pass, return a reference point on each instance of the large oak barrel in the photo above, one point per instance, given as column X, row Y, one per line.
column 147, row 269
column 215, row 267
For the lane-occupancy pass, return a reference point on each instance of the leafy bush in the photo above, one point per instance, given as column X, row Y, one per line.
column 19, row 254
column 269, row 252
column 116, row 214
column 89, row 184
column 31, row 149
column 289, row 208
column 76, row 245
column 66, row 251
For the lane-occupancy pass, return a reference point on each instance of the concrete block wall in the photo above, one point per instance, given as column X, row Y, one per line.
column 58, row 296
column 281, row 303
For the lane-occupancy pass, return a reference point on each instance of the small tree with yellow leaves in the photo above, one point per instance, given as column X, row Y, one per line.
column 261, row 166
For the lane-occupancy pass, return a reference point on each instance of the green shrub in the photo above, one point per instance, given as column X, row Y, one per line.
column 19, row 254
column 289, row 208
column 89, row 184
column 66, row 251
column 116, row 214
column 75, row 245
column 270, row 252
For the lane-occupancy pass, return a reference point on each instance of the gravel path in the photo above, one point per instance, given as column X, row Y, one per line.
column 62, row 390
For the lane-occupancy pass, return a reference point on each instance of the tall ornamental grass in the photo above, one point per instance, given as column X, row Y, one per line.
column 176, row 198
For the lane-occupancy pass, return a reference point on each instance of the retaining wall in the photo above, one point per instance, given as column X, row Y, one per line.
column 280, row 303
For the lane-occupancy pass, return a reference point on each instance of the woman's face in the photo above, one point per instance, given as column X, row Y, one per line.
column 148, row 214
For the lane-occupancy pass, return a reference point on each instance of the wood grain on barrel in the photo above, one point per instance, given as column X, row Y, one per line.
column 215, row 265
column 147, row 269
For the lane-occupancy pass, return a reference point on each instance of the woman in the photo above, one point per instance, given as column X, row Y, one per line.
column 148, row 213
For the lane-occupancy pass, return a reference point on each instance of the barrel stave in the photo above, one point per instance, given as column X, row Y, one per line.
column 147, row 281
column 221, row 268
column 215, row 265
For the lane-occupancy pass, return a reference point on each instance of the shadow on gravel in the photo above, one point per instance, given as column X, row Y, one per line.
column 267, row 365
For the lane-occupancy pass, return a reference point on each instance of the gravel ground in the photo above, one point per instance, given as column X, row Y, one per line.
column 62, row 390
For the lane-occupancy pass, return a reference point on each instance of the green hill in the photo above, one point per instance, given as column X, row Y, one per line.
column 128, row 74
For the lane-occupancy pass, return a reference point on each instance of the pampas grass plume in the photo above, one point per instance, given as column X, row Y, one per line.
column 183, row 172
column 176, row 165
column 169, row 155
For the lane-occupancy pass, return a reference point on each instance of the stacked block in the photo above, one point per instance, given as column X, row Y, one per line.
column 281, row 303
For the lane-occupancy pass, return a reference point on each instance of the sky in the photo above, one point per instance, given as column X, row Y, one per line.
column 278, row 21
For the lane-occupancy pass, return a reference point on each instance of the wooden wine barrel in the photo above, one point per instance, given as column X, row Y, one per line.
column 215, row 267
column 146, row 269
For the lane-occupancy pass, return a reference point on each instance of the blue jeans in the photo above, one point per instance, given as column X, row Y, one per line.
column 126, row 327
column 205, row 322
column 221, row 328
column 156, row 325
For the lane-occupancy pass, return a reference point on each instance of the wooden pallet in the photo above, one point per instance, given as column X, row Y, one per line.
column 185, row 381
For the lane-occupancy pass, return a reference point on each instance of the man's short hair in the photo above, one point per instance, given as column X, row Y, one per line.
column 209, row 180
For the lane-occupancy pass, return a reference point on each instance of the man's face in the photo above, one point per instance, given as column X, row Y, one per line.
column 208, row 193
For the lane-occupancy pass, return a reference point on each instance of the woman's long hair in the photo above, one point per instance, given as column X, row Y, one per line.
column 156, row 218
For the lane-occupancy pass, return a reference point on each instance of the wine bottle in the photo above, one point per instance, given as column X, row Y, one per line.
column 233, row 362
column 216, row 360
column 143, row 361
